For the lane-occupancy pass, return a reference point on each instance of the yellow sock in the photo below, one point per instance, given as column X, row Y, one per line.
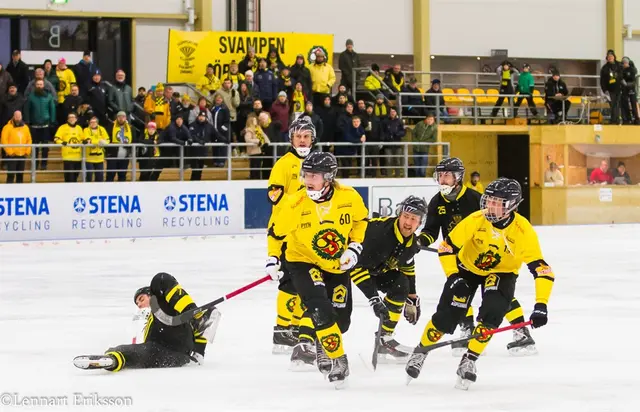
column 285, row 305
column 395, row 310
column 430, row 335
column 477, row 345
column 306, row 331
column 515, row 314
column 469, row 312
column 298, row 310
column 331, row 340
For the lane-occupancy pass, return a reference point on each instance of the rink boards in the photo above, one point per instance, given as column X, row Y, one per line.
column 60, row 211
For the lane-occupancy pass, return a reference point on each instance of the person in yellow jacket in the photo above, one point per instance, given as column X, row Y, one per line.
column 373, row 82
column 284, row 181
column 16, row 132
column 324, row 227
column 323, row 78
column 157, row 107
column 486, row 250
column 68, row 134
column 67, row 78
column 209, row 83
column 475, row 183
column 96, row 137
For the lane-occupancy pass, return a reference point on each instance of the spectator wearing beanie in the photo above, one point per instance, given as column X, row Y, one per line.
column 280, row 114
column 506, row 73
column 285, row 81
column 526, row 84
column 329, row 116
column 413, row 104
column 300, row 73
column 610, row 83
column 97, row 97
column 84, row 71
column 158, row 108
column 274, row 62
column 323, row 78
column 380, row 108
column 208, row 83
column 349, row 60
column 12, row 102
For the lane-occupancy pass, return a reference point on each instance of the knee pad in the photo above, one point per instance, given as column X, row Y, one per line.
column 322, row 317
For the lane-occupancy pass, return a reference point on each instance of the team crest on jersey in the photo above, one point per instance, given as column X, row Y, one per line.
column 331, row 342
column 328, row 244
column 482, row 330
column 275, row 193
column 487, row 260
column 433, row 335
column 291, row 304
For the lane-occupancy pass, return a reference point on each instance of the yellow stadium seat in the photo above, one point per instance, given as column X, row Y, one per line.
column 481, row 96
column 537, row 99
column 575, row 100
column 492, row 96
column 450, row 96
column 468, row 99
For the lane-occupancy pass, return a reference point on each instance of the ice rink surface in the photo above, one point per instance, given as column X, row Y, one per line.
column 59, row 300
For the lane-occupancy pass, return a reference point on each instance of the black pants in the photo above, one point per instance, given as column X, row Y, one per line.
column 497, row 294
column 614, row 104
column 219, row 155
column 71, row 170
column 286, row 282
column 503, row 90
column 558, row 107
column 326, row 296
column 150, row 169
column 255, row 163
column 95, row 172
column 41, row 135
column 196, row 169
column 395, row 285
column 530, row 102
column 150, row 355
column 117, row 167
column 15, row 168
column 629, row 106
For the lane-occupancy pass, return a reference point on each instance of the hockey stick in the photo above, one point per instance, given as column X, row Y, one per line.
column 427, row 349
column 376, row 346
column 187, row 316
column 429, row 249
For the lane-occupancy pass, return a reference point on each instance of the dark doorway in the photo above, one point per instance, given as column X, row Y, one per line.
column 513, row 162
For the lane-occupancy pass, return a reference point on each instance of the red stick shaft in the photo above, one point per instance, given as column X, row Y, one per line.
column 247, row 287
column 506, row 328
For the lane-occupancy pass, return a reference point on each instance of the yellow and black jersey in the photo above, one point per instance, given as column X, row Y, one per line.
column 443, row 214
column 385, row 249
column 318, row 233
column 483, row 249
column 284, row 180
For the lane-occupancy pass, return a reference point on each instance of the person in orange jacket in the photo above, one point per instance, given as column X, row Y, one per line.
column 16, row 132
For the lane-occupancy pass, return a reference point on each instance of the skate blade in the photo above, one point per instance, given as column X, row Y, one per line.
column 409, row 379
column 281, row 349
column 463, row 384
column 392, row 360
column 457, row 352
column 529, row 350
column 92, row 362
column 341, row 384
column 301, row 366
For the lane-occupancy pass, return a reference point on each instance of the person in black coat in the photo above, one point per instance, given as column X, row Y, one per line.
column 610, row 82
column 84, row 71
column 300, row 73
column 97, row 97
column 221, row 129
column 13, row 101
column 556, row 87
column 435, row 103
column 329, row 117
column 19, row 71
column 413, row 105
column 393, row 131
column 629, row 99
column 267, row 85
column 348, row 60
column 373, row 130
column 201, row 132
column 177, row 133
column 71, row 103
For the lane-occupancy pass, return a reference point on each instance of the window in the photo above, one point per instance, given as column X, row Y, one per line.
column 45, row 34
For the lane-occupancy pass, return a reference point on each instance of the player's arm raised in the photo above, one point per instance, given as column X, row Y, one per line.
column 543, row 275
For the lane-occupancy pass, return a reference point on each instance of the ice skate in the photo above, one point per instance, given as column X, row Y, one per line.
column 94, row 361
column 466, row 373
column 283, row 340
column 339, row 372
column 414, row 365
column 391, row 351
column 322, row 360
column 303, row 357
column 460, row 348
column 523, row 344
column 207, row 325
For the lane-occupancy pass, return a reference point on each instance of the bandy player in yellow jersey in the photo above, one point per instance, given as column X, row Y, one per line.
column 284, row 181
column 486, row 249
column 318, row 223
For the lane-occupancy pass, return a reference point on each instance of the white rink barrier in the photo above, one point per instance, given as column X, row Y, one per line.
column 59, row 211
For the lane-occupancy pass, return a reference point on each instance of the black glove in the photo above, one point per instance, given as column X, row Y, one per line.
column 412, row 310
column 459, row 287
column 189, row 142
column 233, row 93
column 424, row 240
column 379, row 308
column 539, row 315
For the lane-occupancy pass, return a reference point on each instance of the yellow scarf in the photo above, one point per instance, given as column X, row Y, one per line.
column 260, row 135
column 380, row 110
column 298, row 101
column 156, row 149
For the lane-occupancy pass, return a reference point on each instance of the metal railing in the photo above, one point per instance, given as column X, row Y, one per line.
column 365, row 159
column 475, row 107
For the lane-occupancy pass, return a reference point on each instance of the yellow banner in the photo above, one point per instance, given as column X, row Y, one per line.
column 190, row 52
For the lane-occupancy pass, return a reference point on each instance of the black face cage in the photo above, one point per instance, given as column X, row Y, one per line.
column 503, row 206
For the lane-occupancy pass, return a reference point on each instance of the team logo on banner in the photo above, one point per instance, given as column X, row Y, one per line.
column 328, row 244
column 187, row 49
column 169, row 203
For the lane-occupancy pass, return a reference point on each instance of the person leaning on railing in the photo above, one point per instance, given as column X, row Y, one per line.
column 254, row 135
column 96, row 138
column 149, row 156
column 200, row 133
column 122, row 134
column 16, row 132
column 70, row 134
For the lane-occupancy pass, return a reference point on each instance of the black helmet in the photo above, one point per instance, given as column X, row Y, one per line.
column 454, row 166
column 145, row 290
column 301, row 125
column 321, row 162
column 414, row 205
column 503, row 192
